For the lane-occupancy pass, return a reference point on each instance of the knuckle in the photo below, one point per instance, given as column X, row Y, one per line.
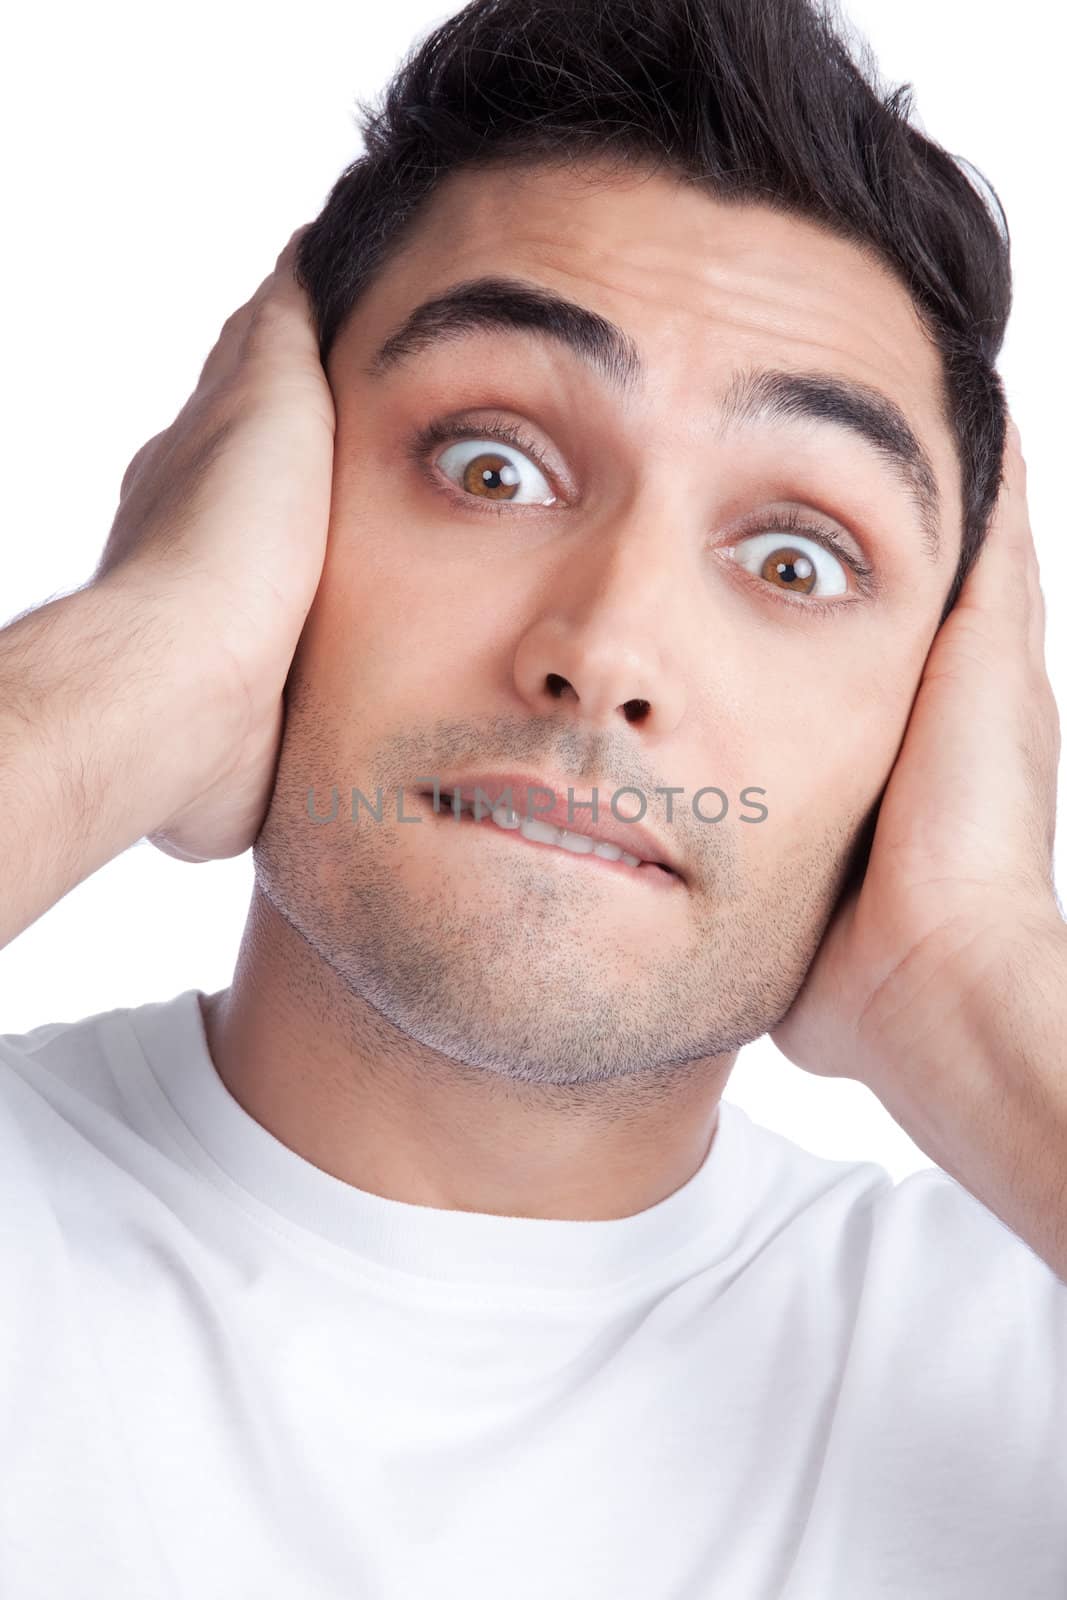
column 137, row 462
column 268, row 317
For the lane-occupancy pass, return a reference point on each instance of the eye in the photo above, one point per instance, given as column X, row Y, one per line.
column 788, row 563
column 486, row 468
column 797, row 560
column 489, row 472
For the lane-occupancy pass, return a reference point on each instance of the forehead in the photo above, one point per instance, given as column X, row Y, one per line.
column 702, row 286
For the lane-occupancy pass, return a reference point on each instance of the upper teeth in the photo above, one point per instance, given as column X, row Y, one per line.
column 542, row 832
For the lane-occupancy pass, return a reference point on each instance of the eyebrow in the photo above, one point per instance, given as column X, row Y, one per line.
column 759, row 395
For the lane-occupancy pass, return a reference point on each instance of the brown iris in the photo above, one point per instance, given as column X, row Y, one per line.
column 486, row 475
column 793, row 567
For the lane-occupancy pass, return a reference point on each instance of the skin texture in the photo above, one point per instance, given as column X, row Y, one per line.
column 473, row 1022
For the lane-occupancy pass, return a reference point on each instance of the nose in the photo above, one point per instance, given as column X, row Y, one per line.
column 600, row 642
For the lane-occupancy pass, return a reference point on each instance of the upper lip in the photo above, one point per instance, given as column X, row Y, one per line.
column 633, row 837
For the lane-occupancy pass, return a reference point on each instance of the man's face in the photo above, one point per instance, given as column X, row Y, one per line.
column 464, row 627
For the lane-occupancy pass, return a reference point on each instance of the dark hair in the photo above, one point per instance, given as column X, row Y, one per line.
column 753, row 100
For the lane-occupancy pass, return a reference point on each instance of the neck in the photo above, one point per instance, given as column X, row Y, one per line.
column 332, row 1079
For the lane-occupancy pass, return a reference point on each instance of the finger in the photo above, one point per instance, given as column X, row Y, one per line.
column 1035, row 593
column 279, row 275
column 288, row 252
column 1038, row 724
column 138, row 460
column 1001, row 590
column 278, row 311
column 281, row 325
column 282, row 280
column 283, row 285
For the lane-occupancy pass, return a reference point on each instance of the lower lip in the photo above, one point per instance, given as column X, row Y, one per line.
column 647, row 873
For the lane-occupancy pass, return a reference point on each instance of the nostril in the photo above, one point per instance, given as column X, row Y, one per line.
column 636, row 710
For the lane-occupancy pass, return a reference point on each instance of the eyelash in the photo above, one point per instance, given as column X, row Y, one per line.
column 441, row 431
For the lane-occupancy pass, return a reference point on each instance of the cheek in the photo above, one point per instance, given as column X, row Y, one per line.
column 829, row 743
column 396, row 624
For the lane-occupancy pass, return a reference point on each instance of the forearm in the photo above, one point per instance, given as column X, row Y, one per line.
column 92, row 742
column 977, row 1076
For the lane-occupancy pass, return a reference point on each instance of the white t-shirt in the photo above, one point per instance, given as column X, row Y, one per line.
column 227, row 1375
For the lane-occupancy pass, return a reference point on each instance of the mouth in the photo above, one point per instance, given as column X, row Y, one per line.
column 579, row 847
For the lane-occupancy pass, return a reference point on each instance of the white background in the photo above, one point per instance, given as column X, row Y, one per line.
column 156, row 160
